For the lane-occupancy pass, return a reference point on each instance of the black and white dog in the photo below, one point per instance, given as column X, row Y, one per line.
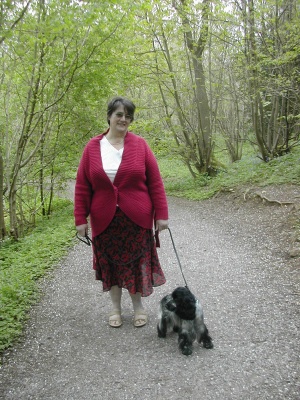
column 182, row 312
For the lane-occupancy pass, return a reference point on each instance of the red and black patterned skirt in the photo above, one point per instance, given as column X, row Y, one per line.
column 125, row 255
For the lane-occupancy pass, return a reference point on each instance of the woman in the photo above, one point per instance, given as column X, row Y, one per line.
column 119, row 187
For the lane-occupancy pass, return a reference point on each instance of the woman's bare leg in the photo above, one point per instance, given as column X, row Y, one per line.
column 115, row 315
column 140, row 315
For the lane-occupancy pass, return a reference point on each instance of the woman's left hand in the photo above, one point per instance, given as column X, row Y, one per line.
column 161, row 224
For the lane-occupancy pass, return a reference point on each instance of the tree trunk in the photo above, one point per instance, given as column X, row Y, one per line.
column 2, row 222
column 256, row 106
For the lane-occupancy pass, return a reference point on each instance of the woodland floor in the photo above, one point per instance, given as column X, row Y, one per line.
column 240, row 255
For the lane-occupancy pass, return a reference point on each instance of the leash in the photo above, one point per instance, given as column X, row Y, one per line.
column 174, row 247
column 88, row 241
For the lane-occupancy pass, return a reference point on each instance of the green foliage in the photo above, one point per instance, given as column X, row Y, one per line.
column 22, row 263
column 161, row 141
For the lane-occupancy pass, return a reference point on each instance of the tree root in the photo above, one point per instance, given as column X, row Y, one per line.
column 281, row 203
column 265, row 199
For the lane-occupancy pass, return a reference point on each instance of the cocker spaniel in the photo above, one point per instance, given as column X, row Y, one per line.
column 182, row 312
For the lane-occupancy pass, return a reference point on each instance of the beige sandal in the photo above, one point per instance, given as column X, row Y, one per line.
column 115, row 320
column 140, row 319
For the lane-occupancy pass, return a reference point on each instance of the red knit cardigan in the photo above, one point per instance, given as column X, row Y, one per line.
column 137, row 188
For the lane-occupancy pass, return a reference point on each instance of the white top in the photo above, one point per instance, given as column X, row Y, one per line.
column 111, row 158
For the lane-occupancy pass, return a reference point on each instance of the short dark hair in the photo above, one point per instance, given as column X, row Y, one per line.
column 129, row 107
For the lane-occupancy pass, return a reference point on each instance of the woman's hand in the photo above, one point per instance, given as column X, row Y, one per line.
column 82, row 229
column 161, row 224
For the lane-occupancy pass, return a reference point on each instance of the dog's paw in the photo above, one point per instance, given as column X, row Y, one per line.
column 208, row 344
column 187, row 351
column 160, row 333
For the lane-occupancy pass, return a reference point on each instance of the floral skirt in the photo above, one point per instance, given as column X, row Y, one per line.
column 125, row 255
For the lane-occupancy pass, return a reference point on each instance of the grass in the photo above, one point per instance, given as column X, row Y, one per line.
column 249, row 171
column 22, row 264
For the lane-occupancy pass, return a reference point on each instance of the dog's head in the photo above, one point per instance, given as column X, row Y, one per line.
column 185, row 303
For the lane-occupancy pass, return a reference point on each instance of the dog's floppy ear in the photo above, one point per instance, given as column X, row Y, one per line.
column 186, row 310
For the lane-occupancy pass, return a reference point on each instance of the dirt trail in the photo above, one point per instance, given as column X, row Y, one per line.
column 235, row 257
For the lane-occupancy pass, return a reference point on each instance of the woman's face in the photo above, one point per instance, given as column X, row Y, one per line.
column 119, row 120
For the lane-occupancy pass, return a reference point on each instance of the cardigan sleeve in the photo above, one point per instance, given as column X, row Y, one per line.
column 155, row 186
column 83, row 191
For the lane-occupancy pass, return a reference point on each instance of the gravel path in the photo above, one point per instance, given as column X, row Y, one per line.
column 235, row 259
